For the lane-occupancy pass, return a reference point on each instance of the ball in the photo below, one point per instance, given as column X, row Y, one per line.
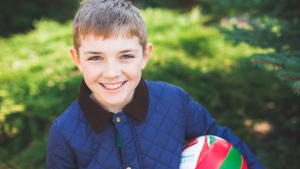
column 211, row 152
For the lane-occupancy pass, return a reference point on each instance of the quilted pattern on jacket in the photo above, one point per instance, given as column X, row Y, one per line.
column 154, row 144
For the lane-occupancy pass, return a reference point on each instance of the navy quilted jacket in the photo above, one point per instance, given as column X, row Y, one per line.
column 154, row 144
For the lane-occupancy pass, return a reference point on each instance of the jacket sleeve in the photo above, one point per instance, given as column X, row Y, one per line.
column 199, row 122
column 59, row 154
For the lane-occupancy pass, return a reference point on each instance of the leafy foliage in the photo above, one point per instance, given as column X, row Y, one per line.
column 39, row 81
column 37, row 84
column 270, row 25
column 274, row 26
column 18, row 16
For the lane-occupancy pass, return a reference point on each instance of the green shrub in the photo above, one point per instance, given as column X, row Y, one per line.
column 37, row 78
column 18, row 16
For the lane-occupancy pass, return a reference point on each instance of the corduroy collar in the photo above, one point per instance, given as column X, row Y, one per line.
column 99, row 117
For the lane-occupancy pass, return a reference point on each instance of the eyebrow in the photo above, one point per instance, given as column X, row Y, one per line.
column 129, row 50
column 92, row 52
column 122, row 51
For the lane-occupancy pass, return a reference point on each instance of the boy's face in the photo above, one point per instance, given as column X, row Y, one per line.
column 111, row 68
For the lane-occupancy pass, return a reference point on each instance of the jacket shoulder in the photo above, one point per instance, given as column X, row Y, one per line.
column 70, row 118
column 163, row 91
column 159, row 87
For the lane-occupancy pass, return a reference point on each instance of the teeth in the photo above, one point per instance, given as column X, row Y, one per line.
column 112, row 86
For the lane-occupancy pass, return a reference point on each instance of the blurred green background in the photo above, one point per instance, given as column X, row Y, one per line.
column 240, row 59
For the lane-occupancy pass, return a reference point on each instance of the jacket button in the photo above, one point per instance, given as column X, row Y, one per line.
column 128, row 167
column 119, row 120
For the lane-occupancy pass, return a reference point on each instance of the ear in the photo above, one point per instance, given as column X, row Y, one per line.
column 75, row 57
column 147, row 54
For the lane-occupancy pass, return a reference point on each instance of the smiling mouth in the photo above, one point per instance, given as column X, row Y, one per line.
column 113, row 86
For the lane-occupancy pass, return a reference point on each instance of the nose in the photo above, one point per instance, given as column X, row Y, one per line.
column 111, row 70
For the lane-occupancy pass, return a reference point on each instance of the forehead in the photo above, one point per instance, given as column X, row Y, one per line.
column 111, row 43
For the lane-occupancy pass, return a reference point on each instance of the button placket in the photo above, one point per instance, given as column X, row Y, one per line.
column 125, row 142
column 118, row 120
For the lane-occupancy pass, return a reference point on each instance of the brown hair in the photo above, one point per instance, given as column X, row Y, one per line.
column 106, row 18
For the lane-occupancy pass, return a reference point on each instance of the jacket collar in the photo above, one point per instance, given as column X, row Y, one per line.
column 98, row 117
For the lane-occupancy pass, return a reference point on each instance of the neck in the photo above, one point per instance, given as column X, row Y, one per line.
column 113, row 108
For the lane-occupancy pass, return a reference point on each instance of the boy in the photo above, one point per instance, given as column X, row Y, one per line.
column 120, row 120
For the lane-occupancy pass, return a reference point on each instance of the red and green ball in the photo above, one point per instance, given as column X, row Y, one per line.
column 211, row 152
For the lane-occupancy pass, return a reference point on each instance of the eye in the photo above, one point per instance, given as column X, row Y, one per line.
column 127, row 57
column 95, row 58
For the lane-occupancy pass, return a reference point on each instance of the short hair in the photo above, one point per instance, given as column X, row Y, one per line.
column 106, row 18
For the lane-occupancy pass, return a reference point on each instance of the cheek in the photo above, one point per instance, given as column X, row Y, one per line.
column 90, row 71
column 135, row 71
